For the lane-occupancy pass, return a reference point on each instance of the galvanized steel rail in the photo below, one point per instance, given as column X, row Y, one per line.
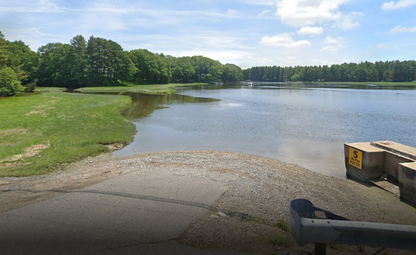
column 334, row 229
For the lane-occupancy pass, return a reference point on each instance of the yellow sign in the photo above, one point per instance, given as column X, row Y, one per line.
column 356, row 158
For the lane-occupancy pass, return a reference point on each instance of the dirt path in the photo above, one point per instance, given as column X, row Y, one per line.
column 251, row 216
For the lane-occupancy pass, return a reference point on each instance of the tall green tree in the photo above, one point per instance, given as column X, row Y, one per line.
column 231, row 73
column 183, row 70
column 247, row 74
column 106, row 62
column 151, row 68
column 9, row 83
column 21, row 59
column 78, row 60
column 206, row 69
column 56, row 65
column 28, row 61
column 4, row 50
column 98, row 53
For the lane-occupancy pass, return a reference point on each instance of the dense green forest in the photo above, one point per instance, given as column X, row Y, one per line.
column 389, row 71
column 102, row 62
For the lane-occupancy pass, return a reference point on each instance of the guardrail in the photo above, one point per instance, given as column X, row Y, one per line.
column 334, row 229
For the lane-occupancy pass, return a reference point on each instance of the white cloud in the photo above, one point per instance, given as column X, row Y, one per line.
column 224, row 56
column 381, row 46
column 400, row 29
column 333, row 44
column 310, row 31
column 331, row 40
column 160, row 13
column 34, row 37
column 104, row 17
column 260, row 2
column 40, row 6
column 284, row 40
column 222, row 46
column 329, row 48
column 232, row 12
column 264, row 12
column 209, row 28
column 392, row 5
column 347, row 22
column 300, row 13
column 115, row 18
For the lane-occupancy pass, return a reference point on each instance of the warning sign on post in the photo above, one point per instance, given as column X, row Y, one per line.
column 356, row 158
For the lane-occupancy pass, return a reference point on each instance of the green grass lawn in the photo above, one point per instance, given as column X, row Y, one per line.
column 146, row 89
column 40, row 131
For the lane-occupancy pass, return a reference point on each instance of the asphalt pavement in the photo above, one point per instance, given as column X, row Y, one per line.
column 136, row 213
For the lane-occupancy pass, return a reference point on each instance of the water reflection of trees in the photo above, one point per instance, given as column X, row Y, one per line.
column 144, row 104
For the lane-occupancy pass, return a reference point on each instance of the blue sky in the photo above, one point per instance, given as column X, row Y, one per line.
column 244, row 32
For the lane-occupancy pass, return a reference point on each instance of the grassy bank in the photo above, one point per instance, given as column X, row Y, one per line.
column 40, row 131
column 146, row 89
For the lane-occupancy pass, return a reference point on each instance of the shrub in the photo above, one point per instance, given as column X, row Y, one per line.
column 9, row 84
column 30, row 87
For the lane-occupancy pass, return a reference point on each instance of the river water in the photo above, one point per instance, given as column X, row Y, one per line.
column 302, row 124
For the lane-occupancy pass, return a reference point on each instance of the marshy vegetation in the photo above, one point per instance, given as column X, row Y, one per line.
column 42, row 131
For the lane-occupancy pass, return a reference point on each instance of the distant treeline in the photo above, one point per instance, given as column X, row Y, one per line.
column 100, row 62
column 389, row 71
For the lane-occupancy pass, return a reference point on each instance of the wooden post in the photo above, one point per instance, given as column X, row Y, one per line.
column 320, row 249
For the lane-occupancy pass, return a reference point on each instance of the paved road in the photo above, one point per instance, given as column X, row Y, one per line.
column 132, row 214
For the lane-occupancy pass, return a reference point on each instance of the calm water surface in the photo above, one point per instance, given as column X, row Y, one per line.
column 303, row 125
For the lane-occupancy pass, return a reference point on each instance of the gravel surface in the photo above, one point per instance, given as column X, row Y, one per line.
column 252, row 215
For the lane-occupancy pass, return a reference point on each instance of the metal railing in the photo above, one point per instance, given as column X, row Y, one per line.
column 334, row 229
